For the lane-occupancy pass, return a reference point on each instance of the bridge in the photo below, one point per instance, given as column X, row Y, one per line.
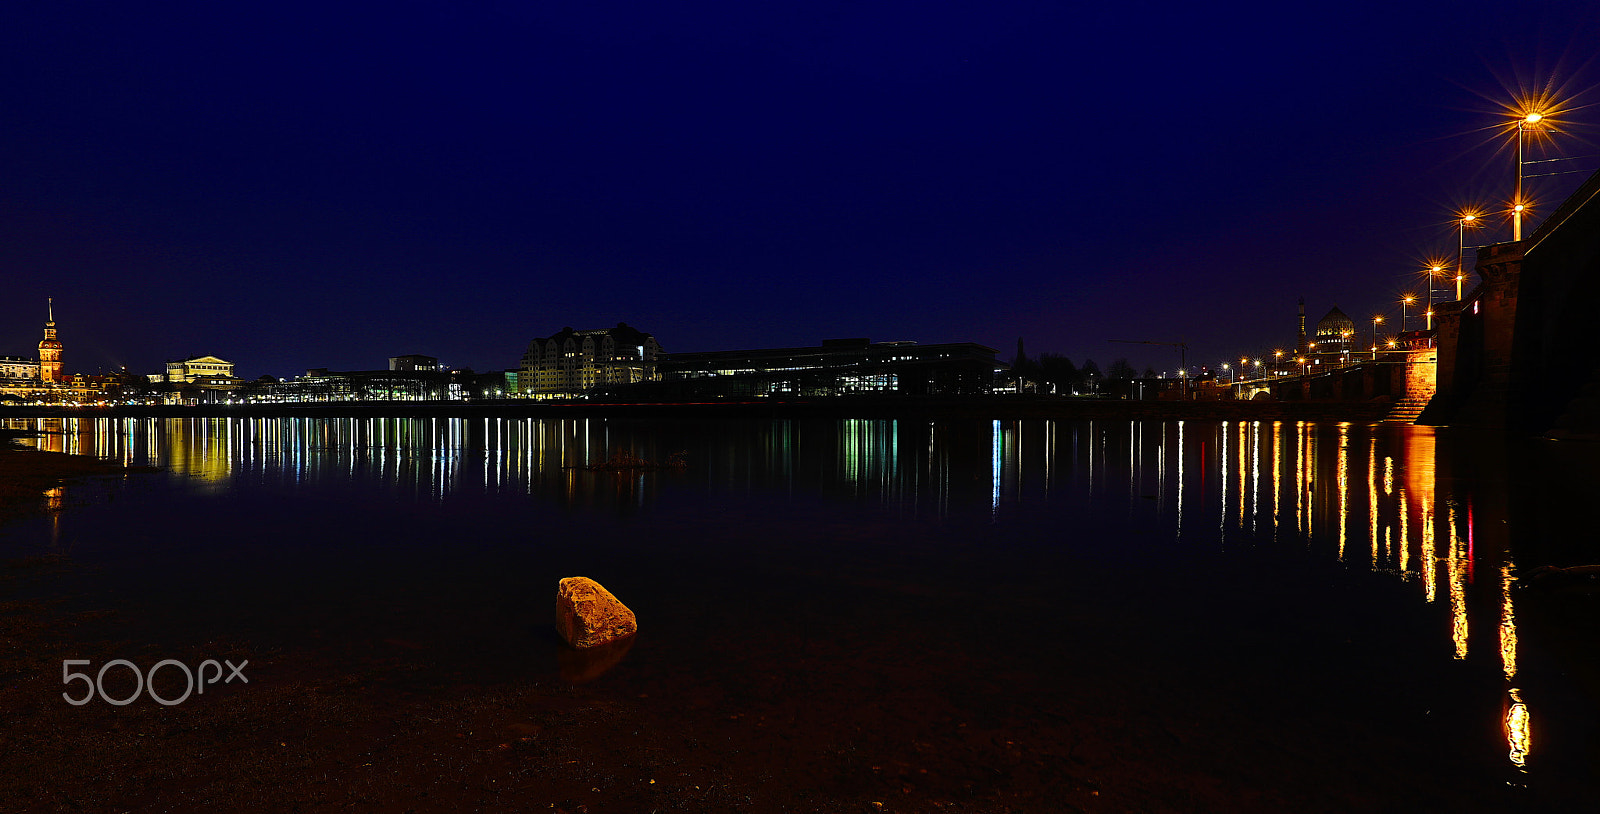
column 1517, row 352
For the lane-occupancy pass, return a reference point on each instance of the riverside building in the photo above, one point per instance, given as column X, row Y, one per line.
column 571, row 364
column 836, row 367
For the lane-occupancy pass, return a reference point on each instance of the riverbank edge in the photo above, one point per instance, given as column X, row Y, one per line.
column 1007, row 408
column 26, row 475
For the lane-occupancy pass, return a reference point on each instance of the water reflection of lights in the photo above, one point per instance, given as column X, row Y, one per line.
column 1508, row 623
column 1223, row 447
column 1342, row 479
column 1181, row 480
column 1277, row 469
column 1255, row 475
column 995, row 451
column 1518, row 731
column 438, row 457
column 1457, row 574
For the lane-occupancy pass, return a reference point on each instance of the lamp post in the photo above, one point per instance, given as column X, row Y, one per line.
column 1434, row 273
column 1376, row 321
column 1517, row 203
column 1461, row 248
column 1277, row 362
column 1404, row 301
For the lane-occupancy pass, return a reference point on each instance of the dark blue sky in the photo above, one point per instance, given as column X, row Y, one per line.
column 295, row 185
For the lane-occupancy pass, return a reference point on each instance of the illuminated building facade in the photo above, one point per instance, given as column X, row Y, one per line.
column 50, row 348
column 187, row 371
column 18, row 369
column 413, row 362
column 573, row 363
column 836, row 367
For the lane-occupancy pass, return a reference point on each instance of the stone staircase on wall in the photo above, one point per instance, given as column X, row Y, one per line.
column 1406, row 410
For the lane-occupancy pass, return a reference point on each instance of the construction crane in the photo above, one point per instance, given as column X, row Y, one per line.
column 1183, row 358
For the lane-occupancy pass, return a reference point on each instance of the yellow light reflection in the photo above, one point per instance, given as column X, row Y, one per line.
column 1430, row 563
column 1255, row 474
column 1277, row 469
column 1458, row 590
column 1519, row 734
column 1343, row 481
column 1405, row 531
column 1508, row 623
column 1372, row 498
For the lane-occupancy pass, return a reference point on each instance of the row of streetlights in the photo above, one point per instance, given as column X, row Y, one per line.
column 1530, row 114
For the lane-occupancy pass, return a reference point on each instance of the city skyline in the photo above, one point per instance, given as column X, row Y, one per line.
column 318, row 190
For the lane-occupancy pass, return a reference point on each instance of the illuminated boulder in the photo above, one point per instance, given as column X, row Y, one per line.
column 587, row 615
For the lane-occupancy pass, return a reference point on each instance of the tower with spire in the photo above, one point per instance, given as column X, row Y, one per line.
column 50, row 347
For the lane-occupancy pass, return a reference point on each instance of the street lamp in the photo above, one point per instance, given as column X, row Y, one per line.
column 1404, row 301
column 1376, row 321
column 1434, row 273
column 1461, row 247
column 1517, row 203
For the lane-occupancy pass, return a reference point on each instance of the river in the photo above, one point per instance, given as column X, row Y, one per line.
column 1373, row 552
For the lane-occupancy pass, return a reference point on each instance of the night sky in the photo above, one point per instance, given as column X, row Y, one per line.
column 293, row 185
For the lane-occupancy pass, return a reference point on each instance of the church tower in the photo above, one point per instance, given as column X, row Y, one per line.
column 50, row 348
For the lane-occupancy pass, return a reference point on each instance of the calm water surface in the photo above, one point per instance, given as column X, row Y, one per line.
column 450, row 534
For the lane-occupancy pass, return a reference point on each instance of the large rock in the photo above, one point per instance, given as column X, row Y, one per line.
column 587, row 615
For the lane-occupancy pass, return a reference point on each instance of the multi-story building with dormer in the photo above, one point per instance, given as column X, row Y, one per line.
column 572, row 363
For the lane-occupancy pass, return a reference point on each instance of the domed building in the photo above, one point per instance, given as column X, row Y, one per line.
column 1335, row 333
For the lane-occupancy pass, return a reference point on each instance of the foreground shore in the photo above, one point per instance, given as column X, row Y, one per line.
column 907, row 675
column 26, row 476
column 861, row 721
